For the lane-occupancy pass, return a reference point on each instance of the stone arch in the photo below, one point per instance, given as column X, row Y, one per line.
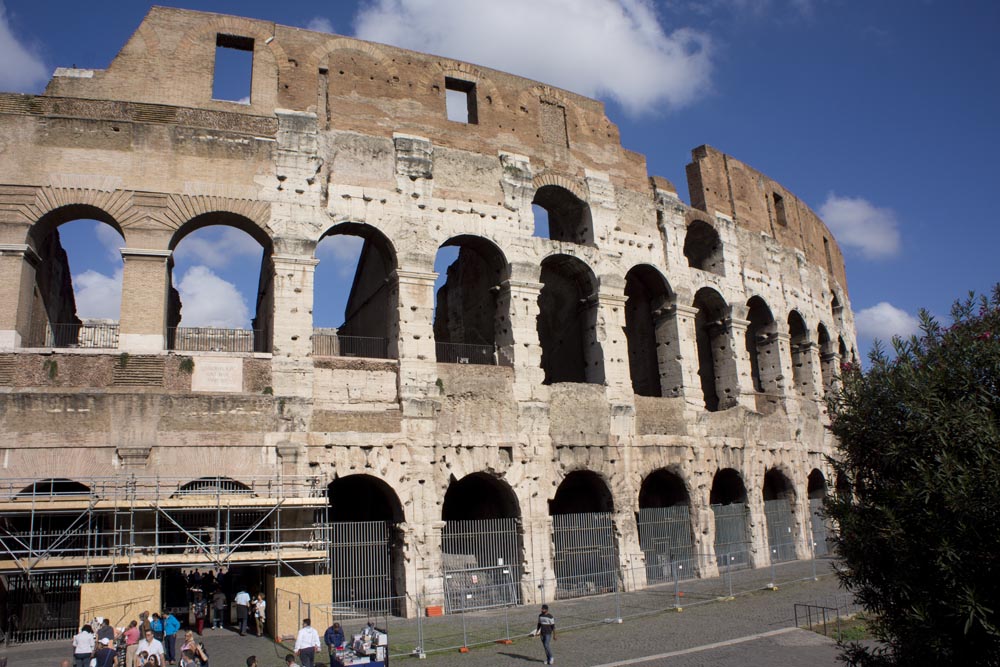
column 779, row 496
column 569, row 216
column 828, row 357
column 651, row 333
column 716, row 365
column 816, row 485
column 54, row 206
column 816, row 490
column 801, row 352
column 55, row 486
column 471, row 319
column 703, row 247
column 581, row 492
column 479, row 495
column 728, row 500
column 212, row 485
column 362, row 497
column 666, row 534
column 762, row 347
column 567, row 321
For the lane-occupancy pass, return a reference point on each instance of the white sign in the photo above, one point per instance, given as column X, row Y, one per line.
column 217, row 375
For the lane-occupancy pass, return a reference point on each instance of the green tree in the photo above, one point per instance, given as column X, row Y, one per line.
column 919, row 533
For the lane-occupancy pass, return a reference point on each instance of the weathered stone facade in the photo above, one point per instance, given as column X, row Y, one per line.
column 642, row 335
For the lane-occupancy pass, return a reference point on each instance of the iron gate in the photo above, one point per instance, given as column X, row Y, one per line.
column 482, row 563
column 732, row 539
column 665, row 540
column 819, row 530
column 42, row 606
column 361, row 562
column 585, row 560
column 780, row 532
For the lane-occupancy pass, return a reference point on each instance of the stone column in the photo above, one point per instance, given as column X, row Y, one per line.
column 610, row 335
column 808, row 355
column 17, row 282
column 631, row 559
column 292, row 325
column 678, row 345
column 733, row 377
column 417, row 354
column 145, row 293
column 523, row 289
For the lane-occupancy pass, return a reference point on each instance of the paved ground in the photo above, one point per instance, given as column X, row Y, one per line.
column 751, row 630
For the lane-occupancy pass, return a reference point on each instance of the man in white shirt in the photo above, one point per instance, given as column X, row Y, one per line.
column 307, row 643
column 150, row 645
column 242, row 602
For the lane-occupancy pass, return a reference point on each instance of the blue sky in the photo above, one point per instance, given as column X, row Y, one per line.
column 882, row 115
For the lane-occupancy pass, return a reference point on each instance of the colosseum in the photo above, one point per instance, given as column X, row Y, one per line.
column 608, row 387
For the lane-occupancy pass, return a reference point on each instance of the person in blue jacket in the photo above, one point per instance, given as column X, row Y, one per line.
column 171, row 626
column 334, row 639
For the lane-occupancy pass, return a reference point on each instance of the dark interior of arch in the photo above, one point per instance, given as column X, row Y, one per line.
column 761, row 325
column 566, row 320
column 646, row 297
column 55, row 487
column 479, row 496
column 662, row 488
column 842, row 349
column 363, row 498
column 777, row 486
column 843, row 485
column 727, row 488
column 214, row 485
column 466, row 306
column 835, row 308
column 370, row 303
column 703, row 247
column 817, row 485
column 581, row 492
column 709, row 325
column 569, row 216
column 797, row 329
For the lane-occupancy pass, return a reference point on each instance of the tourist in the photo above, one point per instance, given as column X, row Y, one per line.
column 197, row 649
column 105, row 655
column 200, row 609
column 547, row 629
column 252, row 661
column 242, row 601
column 104, row 629
column 307, row 643
column 141, row 658
column 83, row 646
column 218, row 609
column 170, row 628
column 260, row 613
column 131, row 636
column 151, row 646
column 290, row 661
column 334, row 639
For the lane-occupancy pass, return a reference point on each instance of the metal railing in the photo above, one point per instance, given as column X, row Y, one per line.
column 134, row 487
column 334, row 345
column 466, row 353
column 92, row 335
column 212, row 339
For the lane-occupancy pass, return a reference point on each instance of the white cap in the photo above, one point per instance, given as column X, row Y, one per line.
column 105, row 641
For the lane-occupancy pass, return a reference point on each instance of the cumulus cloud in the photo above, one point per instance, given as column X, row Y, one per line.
column 342, row 251
column 216, row 247
column 862, row 226
column 616, row 49
column 320, row 24
column 21, row 70
column 110, row 240
column 97, row 295
column 884, row 320
column 209, row 301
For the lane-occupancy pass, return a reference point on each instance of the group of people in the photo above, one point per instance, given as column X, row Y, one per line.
column 150, row 641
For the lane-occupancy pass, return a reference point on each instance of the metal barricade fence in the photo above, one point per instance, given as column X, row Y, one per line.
column 360, row 560
column 780, row 536
column 665, row 538
column 732, row 538
column 93, row 335
column 584, row 558
column 465, row 353
column 481, row 560
column 212, row 339
column 817, row 522
column 335, row 345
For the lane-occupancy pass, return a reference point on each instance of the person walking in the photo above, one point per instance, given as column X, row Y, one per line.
column 260, row 613
column 171, row 626
column 105, row 655
column 307, row 643
column 218, row 609
column 547, row 629
column 242, row 601
column 84, row 643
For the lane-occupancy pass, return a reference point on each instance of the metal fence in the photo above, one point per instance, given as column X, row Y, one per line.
column 666, row 542
column 94, row 335
column 360, row 559
column 818, row 524
column 585, row 557
column 780, row 534
column 212, row 339
column 48, row 605
column 732, row 538
column 482, row 563
column 466, row 353
column 334, row 345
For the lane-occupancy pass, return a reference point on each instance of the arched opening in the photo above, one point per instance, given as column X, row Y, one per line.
column 52, row 488
column 837, row 310
column 817, row 493
column 716, row 365
column 779, row 498
column 75, row 300
column 471, row 323
column 843, row 486
column 703, row 248
column 664, row 523
column 355, row 294
column 563, row 216
column 212, row 486
column 481, row 544
column 827, row 359
column 728, row 500
column 567, row 322
column 651, row 333
column 212, row 288
column 585, row 558
column 801, row 351
column 762, row 347
column 842, row 350
column 366, row 554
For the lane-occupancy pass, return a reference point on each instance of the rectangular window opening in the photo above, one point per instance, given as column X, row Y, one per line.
column 460, row 99
column 779, row 210
column 232, row 78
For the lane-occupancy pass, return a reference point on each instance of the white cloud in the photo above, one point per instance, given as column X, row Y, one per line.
column 111, row 240
column 859, row 224
column 342, row 251
column 98, row 295
column 883, row 321
column 20, row 69
column 209, row 301
column 320, row 24
column 611, row 48
column 216, row 247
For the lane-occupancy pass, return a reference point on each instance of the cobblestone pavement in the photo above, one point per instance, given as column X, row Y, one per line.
column 648, row 635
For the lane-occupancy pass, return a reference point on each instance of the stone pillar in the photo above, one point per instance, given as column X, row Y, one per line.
column 703, row 529
column 678, row 345
column 760, row 552
column 808, row 356
column 523, row 289
column 774, row 362
column 830, row 364
column 733, row 377
column 610, row 335
column 291, row 344
column 631, row 559
column 417, row 354
column 145, row 293
column 17, row 282
column 540, row 582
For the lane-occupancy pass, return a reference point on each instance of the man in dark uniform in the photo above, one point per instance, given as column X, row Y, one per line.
column 547, row 629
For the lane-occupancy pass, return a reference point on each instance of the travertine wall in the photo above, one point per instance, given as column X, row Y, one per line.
column 347, row 136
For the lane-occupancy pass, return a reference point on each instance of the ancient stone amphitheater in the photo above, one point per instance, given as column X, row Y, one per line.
column 612, row 388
